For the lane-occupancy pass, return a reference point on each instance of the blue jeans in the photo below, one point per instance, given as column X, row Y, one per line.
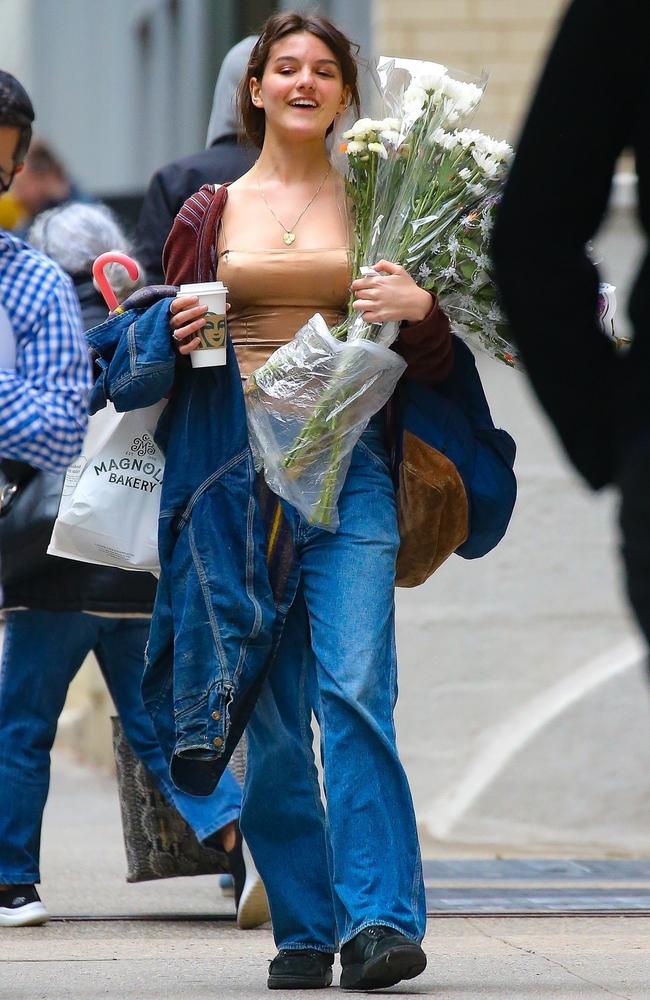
column 43, row 650
column 329, row 872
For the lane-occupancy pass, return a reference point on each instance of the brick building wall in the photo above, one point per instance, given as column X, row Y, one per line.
column 508, row 38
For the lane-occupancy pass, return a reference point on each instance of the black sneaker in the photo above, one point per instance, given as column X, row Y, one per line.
column 300, row 969
column 20, row 906
column 379, row 957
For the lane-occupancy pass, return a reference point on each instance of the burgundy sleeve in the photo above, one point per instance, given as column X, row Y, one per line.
column 181, row 246
column 426, row 346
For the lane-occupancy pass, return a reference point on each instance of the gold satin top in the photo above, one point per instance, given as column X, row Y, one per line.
column 272, row 293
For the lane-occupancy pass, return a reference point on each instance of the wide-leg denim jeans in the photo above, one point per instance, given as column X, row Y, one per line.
column 331, row 871
column 43, row 650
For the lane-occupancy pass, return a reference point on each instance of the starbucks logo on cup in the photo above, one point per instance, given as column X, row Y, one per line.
column 213, row 333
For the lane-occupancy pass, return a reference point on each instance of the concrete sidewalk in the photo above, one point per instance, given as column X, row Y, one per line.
column 181, row 954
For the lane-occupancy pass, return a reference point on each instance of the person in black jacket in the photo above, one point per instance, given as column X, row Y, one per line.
column 592, row 103
column 225, row 159
column 61, row 611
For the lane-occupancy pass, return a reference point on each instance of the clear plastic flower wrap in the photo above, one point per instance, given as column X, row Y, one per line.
column 307, row 410
column 412, row 184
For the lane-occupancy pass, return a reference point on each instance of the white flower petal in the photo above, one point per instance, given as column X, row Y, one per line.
column 391, row 136
column 431, row 76
column 376, row 147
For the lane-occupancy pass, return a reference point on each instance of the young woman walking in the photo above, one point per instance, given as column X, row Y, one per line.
column 346, row 874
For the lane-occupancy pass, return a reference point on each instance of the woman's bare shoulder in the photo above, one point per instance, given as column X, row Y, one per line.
column 242, row 187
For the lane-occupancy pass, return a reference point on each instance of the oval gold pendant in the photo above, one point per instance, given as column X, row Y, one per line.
column 289, row 238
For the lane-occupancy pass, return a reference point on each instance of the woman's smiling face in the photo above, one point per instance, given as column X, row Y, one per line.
column 301, row 90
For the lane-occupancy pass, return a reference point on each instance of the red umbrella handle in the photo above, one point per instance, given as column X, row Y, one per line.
column 104, row 285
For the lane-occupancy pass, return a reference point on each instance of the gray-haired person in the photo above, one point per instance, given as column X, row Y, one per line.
column 58, row 613
column 74, row 235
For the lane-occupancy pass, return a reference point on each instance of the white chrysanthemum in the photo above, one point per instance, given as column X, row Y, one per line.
column 502, row 151
column 485, row 226
column 470, row 137
column 465, row 174
column 355, row 147
column 496, row 148
column 431, row 76
column 361, row 129
column 486, row 145
column 391, row 136
column 376, row 147
column 414, row 100
column 487, row 164
column 392, row 124
column 358, row 136
column 445, row 139
column 477, row 189
column 465, row 96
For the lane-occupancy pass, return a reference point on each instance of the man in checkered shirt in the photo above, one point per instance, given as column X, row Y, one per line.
column 44, row 369
column 44, row 372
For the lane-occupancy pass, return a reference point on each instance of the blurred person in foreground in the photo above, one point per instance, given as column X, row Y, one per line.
column 224, row 159
column 580, row 121
column 62, row 612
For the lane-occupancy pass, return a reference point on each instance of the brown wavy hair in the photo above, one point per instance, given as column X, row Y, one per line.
column 253, row 120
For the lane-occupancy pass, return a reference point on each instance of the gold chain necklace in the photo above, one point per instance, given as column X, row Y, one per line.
column 288, row 235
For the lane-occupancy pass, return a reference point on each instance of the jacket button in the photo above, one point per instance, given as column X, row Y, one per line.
column 216, row 716
column 217, row 741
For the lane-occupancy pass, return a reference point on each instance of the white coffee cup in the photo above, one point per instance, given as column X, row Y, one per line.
column 212, row 349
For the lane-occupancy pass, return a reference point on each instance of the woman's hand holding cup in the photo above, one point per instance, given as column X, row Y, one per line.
column 198, row 322
column 187, row 317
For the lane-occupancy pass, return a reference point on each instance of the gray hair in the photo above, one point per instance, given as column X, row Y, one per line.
column 75, row 234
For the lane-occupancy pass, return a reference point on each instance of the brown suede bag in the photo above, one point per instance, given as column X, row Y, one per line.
column 432, row 508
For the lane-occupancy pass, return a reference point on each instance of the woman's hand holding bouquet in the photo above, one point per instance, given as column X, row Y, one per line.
column 387, row 293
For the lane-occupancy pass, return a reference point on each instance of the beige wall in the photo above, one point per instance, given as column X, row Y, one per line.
column 508, row 38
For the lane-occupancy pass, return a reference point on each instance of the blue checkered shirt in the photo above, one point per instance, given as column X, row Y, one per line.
column 43, row 402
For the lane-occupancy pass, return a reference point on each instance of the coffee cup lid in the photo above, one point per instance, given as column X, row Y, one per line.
column 203, row 287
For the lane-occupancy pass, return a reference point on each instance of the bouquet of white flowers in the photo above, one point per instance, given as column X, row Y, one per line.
column 422, row 195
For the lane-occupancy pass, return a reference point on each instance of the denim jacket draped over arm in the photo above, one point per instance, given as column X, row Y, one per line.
column 222, row 596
